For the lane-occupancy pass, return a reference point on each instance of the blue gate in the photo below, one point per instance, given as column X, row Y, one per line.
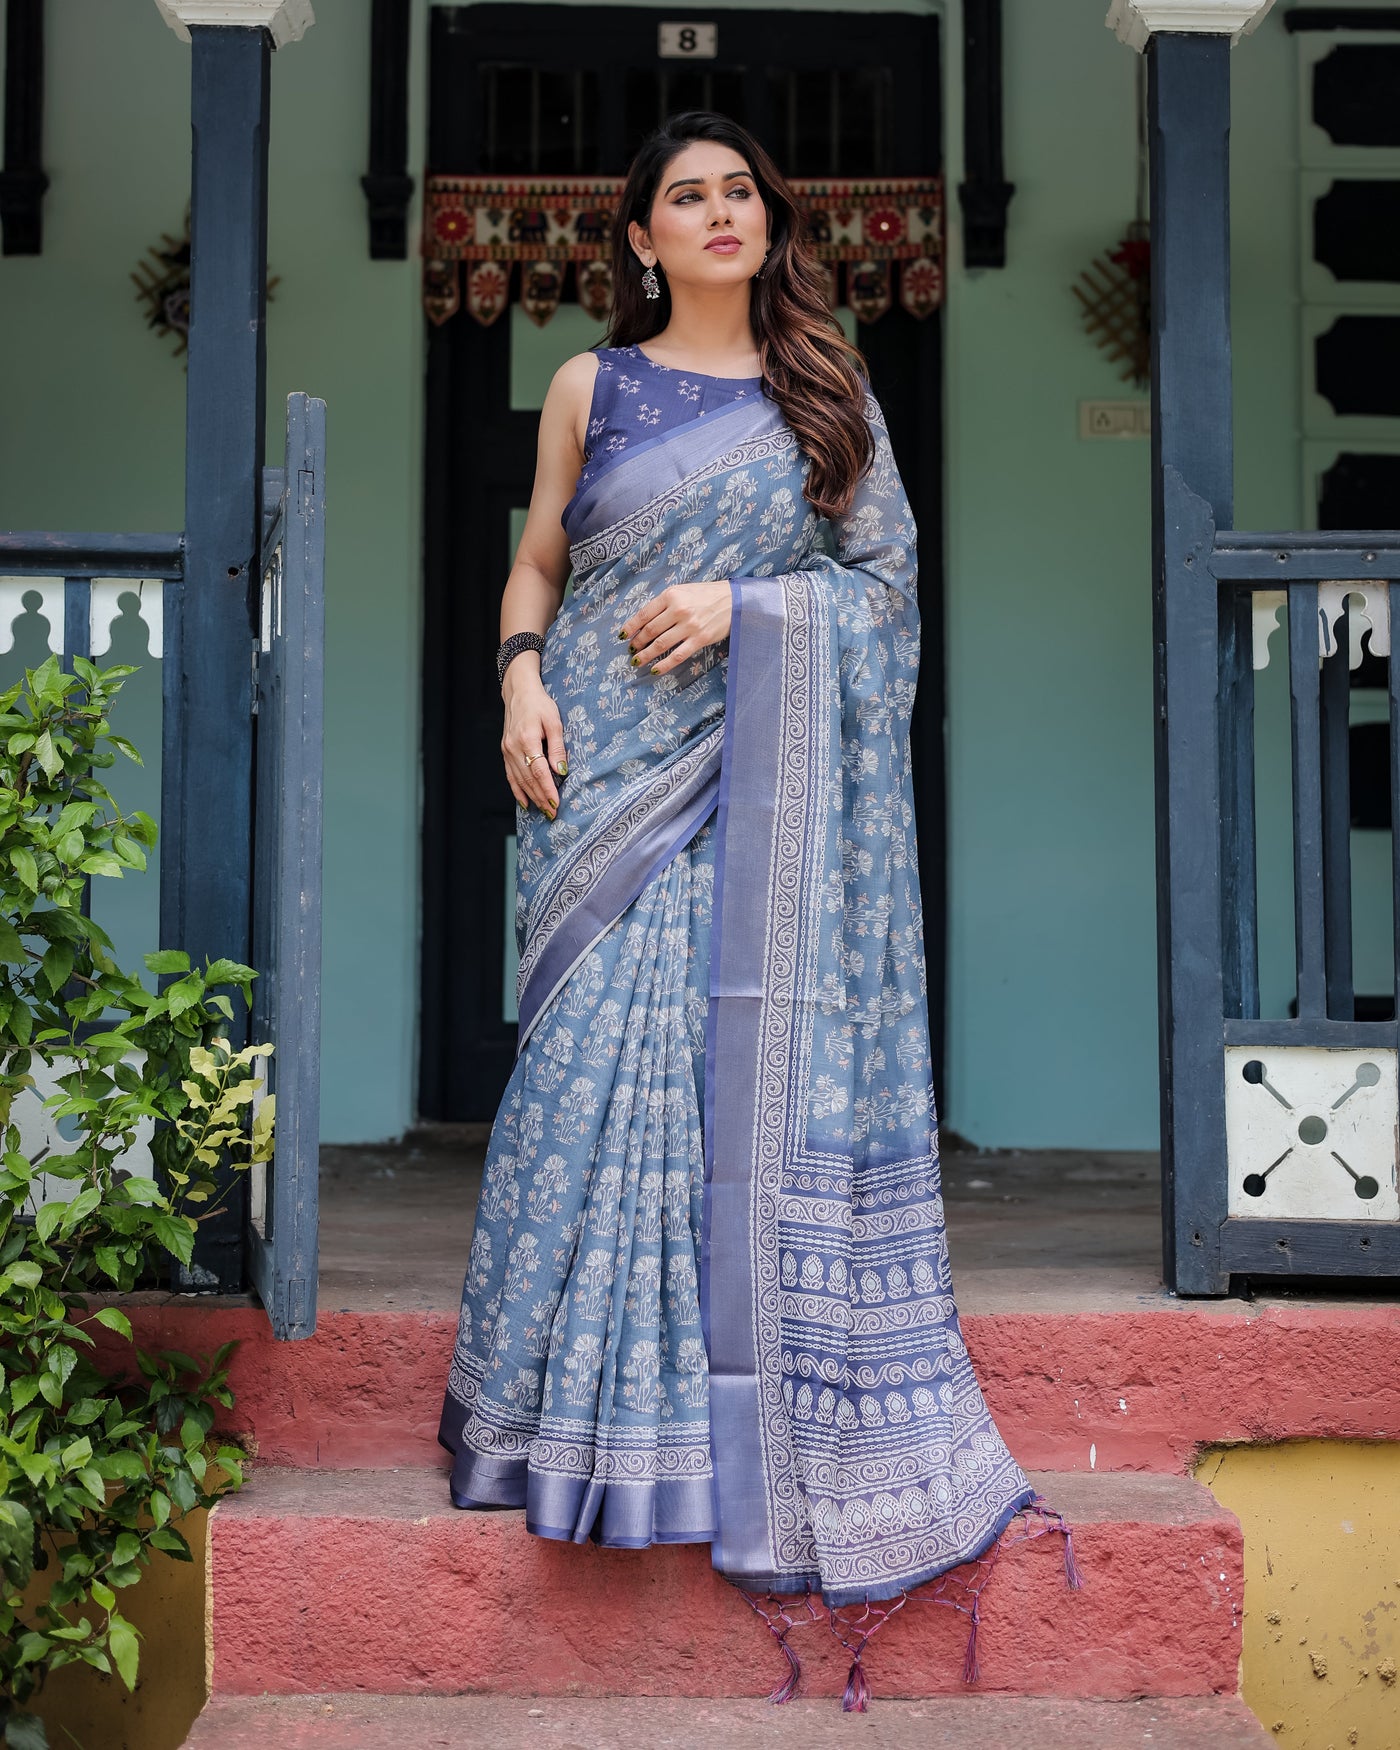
column 1279, row 1134
column 76, row 577
column 287, row 703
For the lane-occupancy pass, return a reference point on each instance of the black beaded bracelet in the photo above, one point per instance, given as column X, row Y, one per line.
column 512, row 647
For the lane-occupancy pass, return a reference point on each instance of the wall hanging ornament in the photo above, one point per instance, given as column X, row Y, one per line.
column 877, row 233
column 162, row 281
column 1115, row 290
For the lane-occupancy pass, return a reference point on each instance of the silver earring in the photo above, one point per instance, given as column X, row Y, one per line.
column 650, row 284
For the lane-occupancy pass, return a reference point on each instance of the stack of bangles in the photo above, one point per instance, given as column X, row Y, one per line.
column 512, row 648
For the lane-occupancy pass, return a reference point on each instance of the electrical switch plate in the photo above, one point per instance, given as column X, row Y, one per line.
column 1115, row 419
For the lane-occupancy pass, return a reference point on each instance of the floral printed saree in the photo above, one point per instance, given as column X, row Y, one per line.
column 708, row 1297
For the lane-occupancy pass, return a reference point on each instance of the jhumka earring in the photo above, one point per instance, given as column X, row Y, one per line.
column 650, row 284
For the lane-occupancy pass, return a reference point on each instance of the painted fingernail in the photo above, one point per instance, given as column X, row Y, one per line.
column 636, row 662
column 551, row 812
column 562, row 769
column 623, row 636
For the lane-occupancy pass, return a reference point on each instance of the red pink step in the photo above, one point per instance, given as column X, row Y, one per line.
column 1073, row 1390
column 370, row 1581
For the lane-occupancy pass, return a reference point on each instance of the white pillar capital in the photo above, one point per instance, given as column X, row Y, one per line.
column 286, row 21
column 1137, row 21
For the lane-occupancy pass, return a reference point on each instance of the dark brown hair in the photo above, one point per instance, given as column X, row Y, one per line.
column 809, row 367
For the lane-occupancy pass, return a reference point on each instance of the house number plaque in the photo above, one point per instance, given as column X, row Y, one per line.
column 687, row 42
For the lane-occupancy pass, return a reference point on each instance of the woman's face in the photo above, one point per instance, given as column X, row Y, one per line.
column 709, row 226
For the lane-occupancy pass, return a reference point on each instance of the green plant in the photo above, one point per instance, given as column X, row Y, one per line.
column 97, row 1457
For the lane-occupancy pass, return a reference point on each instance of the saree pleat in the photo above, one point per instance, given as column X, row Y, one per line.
column 579, row 1389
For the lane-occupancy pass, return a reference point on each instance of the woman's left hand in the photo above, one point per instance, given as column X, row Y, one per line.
column 672, row 626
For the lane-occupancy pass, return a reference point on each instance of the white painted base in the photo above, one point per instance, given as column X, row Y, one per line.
column 1286, row 1130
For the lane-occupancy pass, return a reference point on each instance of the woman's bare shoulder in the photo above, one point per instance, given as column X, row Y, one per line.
column 574, row 378
column 569, row 399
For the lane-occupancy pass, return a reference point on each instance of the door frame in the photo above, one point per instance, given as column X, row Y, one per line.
column 906, row 357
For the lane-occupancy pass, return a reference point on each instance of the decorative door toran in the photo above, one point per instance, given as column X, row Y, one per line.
column 478, row 228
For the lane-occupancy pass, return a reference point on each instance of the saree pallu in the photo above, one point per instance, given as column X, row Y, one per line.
column 737, row 1327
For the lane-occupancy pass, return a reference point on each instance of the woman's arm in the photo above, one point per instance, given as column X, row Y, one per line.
column 535, row 589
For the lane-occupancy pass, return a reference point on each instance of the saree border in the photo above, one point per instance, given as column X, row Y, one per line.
column 661, row 471
column 594, row 498
column 764, row 947
column 772, row 769
column 612, row 865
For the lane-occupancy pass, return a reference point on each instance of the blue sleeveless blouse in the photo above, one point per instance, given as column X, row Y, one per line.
column 634, row 398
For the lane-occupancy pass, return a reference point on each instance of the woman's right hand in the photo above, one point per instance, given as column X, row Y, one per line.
column 533, row 731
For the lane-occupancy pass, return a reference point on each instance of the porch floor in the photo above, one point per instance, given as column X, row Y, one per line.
column 1039, row 1230
column 1029, row 1231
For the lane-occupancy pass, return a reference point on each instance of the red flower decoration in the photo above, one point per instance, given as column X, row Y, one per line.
column 884, row 226
column 451, row 224
column 1135, row 254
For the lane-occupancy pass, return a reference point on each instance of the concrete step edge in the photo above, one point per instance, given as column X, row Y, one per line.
column 416, row 1492
column 374, row 1722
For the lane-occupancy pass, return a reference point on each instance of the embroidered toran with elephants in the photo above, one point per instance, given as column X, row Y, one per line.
column 523, row 237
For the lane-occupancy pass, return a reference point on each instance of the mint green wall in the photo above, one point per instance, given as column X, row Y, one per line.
column 1053, row 1026
column 1052, row 1007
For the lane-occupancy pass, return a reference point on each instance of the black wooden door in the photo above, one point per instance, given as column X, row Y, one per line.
column 531, row 90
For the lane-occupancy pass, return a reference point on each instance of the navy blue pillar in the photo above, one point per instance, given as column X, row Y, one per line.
column 206, row 860
column 1189, row 112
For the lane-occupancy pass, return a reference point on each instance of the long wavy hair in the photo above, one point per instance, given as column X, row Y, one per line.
column 809, row 367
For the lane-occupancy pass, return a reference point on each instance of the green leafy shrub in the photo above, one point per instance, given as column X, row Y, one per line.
column 97, row 1461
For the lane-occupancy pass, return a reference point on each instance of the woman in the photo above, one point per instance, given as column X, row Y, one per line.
column 708, row 1297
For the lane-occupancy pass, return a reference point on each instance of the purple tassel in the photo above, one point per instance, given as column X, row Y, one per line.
column 1073, row 1577
column 788, row 1687
column 857, row 1696
column 970, row 1669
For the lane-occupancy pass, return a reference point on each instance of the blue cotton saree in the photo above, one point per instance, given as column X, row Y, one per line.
column 708, row 1297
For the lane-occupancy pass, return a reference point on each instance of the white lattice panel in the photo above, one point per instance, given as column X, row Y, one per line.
column 1367, row 601
column 1311, row 1132
column 108, row 598
column 39, row 1132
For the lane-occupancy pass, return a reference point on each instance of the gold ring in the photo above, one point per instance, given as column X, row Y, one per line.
column 532, row 756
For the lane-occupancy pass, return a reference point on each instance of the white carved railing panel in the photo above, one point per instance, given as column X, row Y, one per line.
column 1371, row 609
column 13, row 591
column 106, row 604
column 1266, row 604
column 1367, row 601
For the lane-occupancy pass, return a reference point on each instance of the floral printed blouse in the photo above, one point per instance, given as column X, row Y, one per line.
column 634, row 398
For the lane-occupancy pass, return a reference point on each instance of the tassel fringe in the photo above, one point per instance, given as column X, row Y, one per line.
column 971, row 1672
column 1073, row 1578
column 853, row 1626
column 788, row 1687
